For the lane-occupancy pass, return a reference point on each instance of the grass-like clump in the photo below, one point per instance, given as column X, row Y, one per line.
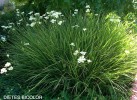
column 85, row 57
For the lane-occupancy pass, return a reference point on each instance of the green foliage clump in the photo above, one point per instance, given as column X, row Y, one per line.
column 46, row 58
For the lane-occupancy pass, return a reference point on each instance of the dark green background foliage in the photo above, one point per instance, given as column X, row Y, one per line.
column 4, row 20
column 8, row 86
column 98, row 6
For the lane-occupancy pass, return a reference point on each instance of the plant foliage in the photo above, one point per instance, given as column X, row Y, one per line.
column 44, row 58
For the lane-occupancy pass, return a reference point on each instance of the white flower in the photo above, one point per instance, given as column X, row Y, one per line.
column 20, row 20
column 10, row 68
column 33, row 24
column 37, row 14
column 89, row 61
column 87, row 6
column 96, row 14
column 11, row 23
column 27, row 24
column 76, row 10
column 83, row 53
column 87, row 10
column 17, row 9
column 130, row 31
column 46, row 17
column 115, row 20
column 4, row 27
column 18, row 23
column 48, row 12
column 41, row 17
column 51, row 11
column 39, row 22
column 26, row 44
column 30, row 13
column 112, row 20
column 32, row 18
column 8, row 64
column 127, row 52
column 22, row 13
column 53, row 21
column 10, row 26
column 32, row 3
column 18, row 14
column 75, row 13
column 60, row 22
column 75, row 26
column 61, row 15
column 72, row 44
column 8, row 55
column 3, row 70
column 54, row 14
column 3, row 38
column 81, row 59
column 84, row 29
column 76, row 52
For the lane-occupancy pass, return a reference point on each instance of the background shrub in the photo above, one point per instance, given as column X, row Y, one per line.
column 4, row 20
column 9, row 86
column 98, row 6
column 44, row 60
